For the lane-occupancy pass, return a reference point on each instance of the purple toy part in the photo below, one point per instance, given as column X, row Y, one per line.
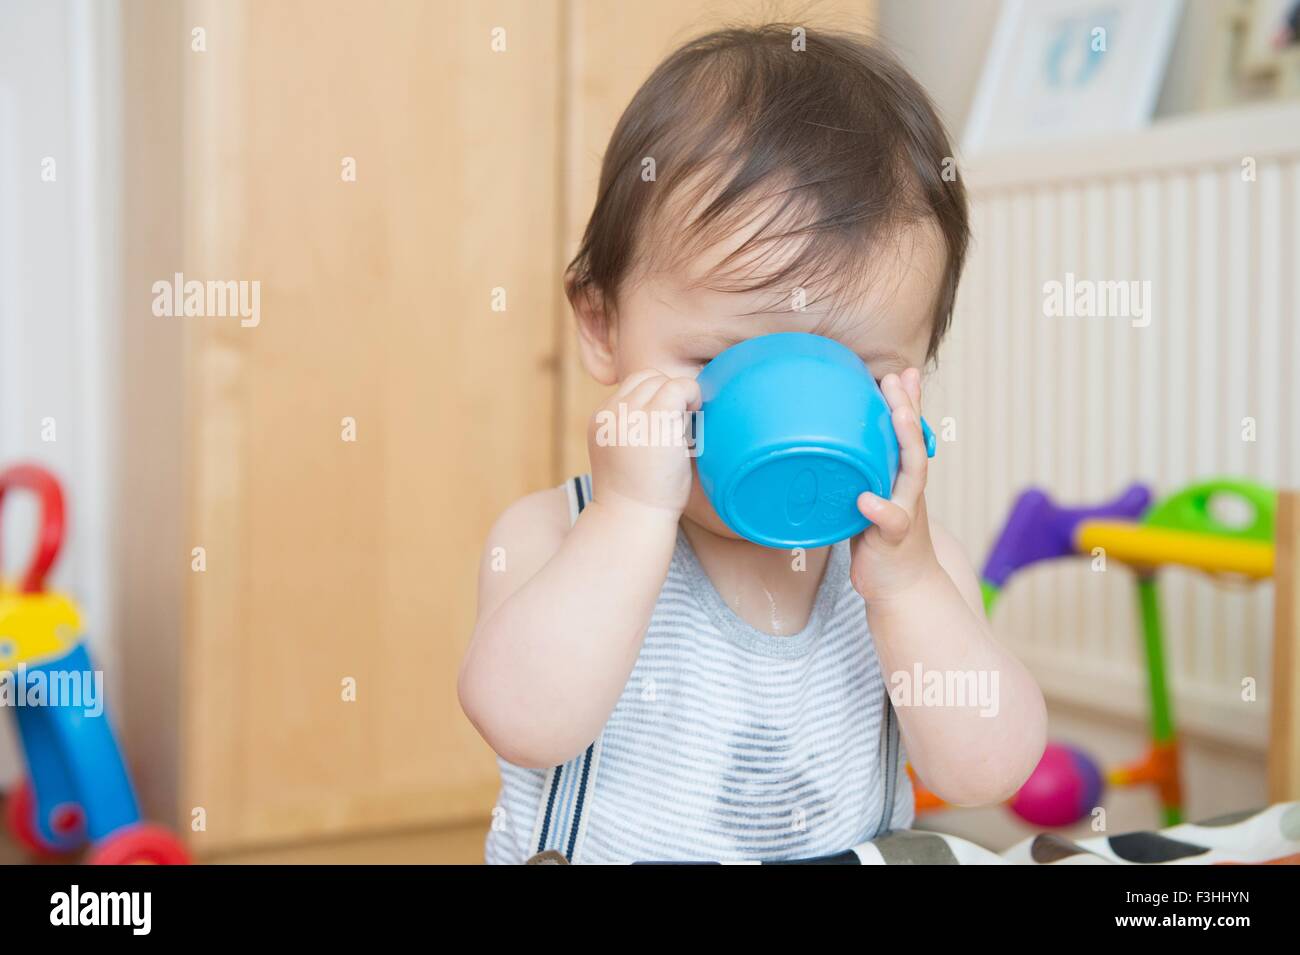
column 1039, row 529
column 1090, row 779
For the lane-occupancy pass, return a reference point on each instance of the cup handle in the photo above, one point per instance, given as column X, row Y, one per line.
column 929, row 439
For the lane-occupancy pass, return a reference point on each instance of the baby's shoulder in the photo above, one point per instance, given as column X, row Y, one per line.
column 540, row 518
column 523, row 539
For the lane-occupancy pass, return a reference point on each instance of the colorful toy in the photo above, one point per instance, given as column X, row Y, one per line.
column 1063, row 788
column 1185, row 530
column 792, row 430
column 77, row 789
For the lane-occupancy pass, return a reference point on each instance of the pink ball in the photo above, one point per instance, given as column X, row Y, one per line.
column 1062, row 789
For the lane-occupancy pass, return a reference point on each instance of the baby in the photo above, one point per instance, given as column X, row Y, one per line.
column 656, row 686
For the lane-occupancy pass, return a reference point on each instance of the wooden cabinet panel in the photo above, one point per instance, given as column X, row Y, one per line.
column 330, row 559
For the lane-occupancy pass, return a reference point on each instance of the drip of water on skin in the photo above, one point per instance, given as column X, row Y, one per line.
column 778, row 626
column 774, row 616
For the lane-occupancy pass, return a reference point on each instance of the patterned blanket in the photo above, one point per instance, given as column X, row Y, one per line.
column 1258, row 836
column 1255, row 837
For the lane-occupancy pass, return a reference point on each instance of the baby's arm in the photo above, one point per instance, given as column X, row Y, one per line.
column 968, row 755
column 562, row 612
column 925, row 610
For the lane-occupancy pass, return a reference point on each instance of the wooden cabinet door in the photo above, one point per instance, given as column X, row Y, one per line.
column 351, row 450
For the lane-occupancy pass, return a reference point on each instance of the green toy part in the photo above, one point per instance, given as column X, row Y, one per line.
column 1191, row 509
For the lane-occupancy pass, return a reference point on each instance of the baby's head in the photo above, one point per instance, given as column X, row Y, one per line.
column 763, row 180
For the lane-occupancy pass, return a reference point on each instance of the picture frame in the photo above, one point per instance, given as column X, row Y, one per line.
column 1263, row 52
column 1256, row 56
column 1061, row 69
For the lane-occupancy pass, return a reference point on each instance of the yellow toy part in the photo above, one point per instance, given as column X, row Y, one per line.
column 1145, row 546
column 36, row 628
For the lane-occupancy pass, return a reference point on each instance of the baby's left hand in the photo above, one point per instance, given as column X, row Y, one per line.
column 895, row 553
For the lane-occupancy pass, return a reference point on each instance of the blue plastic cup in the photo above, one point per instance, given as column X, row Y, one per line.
column 792, row 430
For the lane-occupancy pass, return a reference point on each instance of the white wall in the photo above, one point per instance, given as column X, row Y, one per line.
column 59, row 298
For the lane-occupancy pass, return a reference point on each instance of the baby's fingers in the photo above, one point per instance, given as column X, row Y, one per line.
column 892, row 521
column 677, row 394
column 645, row 392
column 635, row 380
column 912, row 385
column 914, row 462
column 902, row 391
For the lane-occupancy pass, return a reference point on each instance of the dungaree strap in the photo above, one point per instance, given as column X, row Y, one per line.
column 561, row 823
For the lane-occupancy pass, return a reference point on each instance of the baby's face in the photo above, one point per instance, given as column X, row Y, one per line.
column 676, row 324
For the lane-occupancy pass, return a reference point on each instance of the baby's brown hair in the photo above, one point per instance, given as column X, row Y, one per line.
column 820, row 138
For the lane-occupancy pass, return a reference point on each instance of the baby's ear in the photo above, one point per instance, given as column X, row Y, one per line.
column 595, row 330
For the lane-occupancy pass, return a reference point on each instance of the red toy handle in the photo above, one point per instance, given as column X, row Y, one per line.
column 50, row 537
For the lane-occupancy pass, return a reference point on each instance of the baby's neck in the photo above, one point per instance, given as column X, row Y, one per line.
column 771, row 590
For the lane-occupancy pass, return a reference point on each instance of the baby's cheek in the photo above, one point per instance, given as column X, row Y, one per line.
column 701, row 512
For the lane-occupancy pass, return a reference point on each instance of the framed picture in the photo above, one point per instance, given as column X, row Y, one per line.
column 1271, row 30
column 1256, row 56
column 1060, row 69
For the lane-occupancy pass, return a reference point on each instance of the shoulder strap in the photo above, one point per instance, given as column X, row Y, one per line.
column 579, row 492
column 561, row 824
column 890, row 753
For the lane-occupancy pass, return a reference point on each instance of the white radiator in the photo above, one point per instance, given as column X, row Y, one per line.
column 1206, row 211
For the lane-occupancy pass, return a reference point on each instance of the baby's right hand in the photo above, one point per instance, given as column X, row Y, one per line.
column 637, row 442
